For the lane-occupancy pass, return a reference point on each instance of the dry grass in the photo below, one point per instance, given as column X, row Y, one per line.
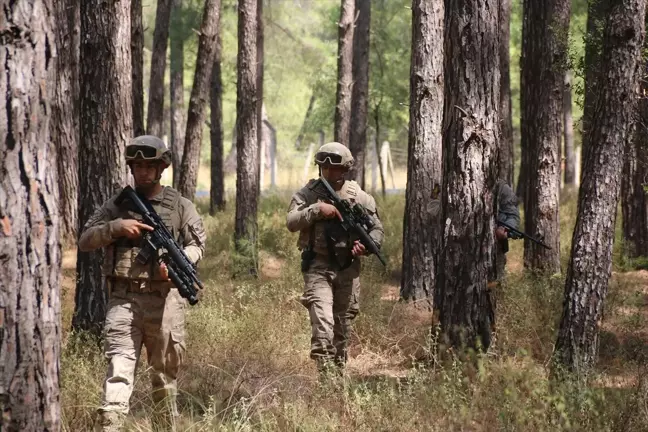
column 248, row 365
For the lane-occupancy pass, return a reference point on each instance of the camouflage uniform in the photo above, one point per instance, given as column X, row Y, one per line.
column 143, row 307
column 330, row 289
column 507, row 212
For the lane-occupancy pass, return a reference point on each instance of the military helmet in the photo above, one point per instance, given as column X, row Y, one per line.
column 148, row 147
column 334, row 153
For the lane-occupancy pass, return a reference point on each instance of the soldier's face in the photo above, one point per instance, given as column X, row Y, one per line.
column 146, row 173
column 334, row 174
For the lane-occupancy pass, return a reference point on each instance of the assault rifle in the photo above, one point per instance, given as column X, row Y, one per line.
column 182, row 271
column 517, row 234
column 355, row 220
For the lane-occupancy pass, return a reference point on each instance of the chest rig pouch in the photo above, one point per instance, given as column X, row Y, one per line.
column 123, row 258
column 338, row 241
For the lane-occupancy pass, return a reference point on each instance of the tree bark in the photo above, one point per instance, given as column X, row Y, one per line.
column 342, row 118
column 247, row 148
column 545, row 32
column 424, row 161
column 65, row 114
column 360, row 91
column 137, row 60
column 597, row 11
column 633, row 195
column 106, row 126
column 471, row 131
column 568, row 134
column 30, row 252
column 591, row 255
column 204, row 63
column 176, row 96
column 155, row 119
column 217, row 189
column 259, row 65
column 506, row 149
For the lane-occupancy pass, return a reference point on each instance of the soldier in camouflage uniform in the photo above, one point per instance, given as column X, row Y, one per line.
column 144, row 308
column 330, row 257
column 507, row 212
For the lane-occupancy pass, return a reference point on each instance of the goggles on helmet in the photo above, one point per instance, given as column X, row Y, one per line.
column 144, row 152
column 332, row 158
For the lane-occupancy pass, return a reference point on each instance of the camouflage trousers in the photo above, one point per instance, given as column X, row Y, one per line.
column 331, row 299
column 155, row 320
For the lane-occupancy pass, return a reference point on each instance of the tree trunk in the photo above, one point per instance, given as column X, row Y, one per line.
column 65, row 114
column 217, row 189
column 137, row 60
column 544, row 59
column 207, row 44
column 597, row 11
column 424, row 160
column 591, row 255
column 302, row 130
column 259, row 64
column 342, row 119
column 471, row 128
column 633, row 195
column 106, row 126
column 30, row 252
column 506, row 149
column 155, row 119
column 247, row 146
column 568, row 134
column 360, row 91
column 176, row 96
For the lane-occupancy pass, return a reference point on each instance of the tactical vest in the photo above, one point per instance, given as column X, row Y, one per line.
column 120, row 259
column 341, row 238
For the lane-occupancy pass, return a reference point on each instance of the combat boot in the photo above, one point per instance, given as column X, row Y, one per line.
column 109, row 421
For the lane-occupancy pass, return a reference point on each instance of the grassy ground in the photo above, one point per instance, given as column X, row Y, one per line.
column 248, row 367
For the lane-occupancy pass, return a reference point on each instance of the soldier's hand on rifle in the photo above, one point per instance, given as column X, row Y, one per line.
column 131, row 228
column 328, row 211
column 501, row 233
column 358, row 249
column 164, row 271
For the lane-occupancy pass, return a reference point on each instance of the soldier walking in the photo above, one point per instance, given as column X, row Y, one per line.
column 330, row 255
column 144, row 308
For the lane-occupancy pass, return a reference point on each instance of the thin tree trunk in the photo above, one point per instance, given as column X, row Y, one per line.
column 378, row 150
column 544, row 59
column 591, row 255
column 137, row 60
column 106, row 126
column 217, row 189
column 424, row 153
column 259, row 64
column 155, row 119
column 360, row 92
column 247, row 146
column 176, row 96
column 302, row 130
column 65, row 114
column 30, row 252
column 568, row 134
column 207, row 44
column 471, row 126
column 634, row 204
column 506, row 149
column 342, row 118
